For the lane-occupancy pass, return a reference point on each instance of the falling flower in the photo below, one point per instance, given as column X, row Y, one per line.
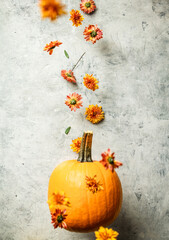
column 90, row 82
column 76, row 17
column 68, row 75
column 74, row 101
column 108, row 160
column 94, row 113
column 49, row 47
column 87, row 6
column 76, row 144
column 93, row 185
column 58, row 218
column 92, row 33
column 58, row 198
column 106, row 234
column 51, row 9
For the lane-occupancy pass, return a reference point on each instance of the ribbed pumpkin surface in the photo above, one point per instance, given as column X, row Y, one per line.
column 88, row 210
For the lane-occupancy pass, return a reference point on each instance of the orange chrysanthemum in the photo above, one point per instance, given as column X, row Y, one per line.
column 76, row 17
column 92, row 33
column 58, row 218
column 94, row 113
column 93, row 185
column 49, row 47
column 58, row 198
column 76, row 144
column 68, row 75
column 106, row 234
column 90, row 82
column 108, row 160
column 87, row 6
column 74, row 101
column 51, row 9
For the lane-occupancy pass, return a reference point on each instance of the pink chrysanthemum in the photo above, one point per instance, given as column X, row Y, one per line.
column 92, row 33
column 108, row 160
column 49, row 47
column 87, row 6
column 68, row 75
column 58, row 218
column 74, row 101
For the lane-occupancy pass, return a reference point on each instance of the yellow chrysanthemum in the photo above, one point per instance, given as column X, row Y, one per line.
column 94, row 113
column 58, row 198
column 90, row 82
column 52, row 9
column 76, row 144
column 106, row 234
column 76, row 17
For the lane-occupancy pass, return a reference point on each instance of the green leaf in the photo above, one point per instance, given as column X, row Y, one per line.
column 67, row 130
column 66, row 54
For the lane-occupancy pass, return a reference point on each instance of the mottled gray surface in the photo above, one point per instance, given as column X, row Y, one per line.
column 131, row 63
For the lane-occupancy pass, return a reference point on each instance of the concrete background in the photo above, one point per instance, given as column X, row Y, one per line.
column 131, row 63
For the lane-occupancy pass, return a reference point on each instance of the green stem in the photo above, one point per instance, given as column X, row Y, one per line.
column 78, row 61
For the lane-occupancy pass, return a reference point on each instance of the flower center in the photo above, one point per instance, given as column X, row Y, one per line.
column 88, row 4
column 110, row 160
column 60, row 218
column 73, row 102
column 93, row 34
column 68, row 75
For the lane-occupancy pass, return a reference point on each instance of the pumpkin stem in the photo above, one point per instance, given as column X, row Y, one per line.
column 85, row 147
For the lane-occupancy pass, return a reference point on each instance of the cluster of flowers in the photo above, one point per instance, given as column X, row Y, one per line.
column 58, row 216
column 93, row 113
column 54, row 8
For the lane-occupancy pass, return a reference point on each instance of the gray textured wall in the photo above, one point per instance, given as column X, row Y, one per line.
column 131, row 62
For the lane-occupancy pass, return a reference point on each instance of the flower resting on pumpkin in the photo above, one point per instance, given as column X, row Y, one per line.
column 58, row 218
column 94, row 113
column 51, row 9
column 108, row 160
column 92, row 33
column 49, row 47
column 68, row 75
column 76, row 17
column 87, row 6
column 73, row 101
column 106, row 234
column 58, row 198
column 76, row 144
column 90, row 82
column 93, row 185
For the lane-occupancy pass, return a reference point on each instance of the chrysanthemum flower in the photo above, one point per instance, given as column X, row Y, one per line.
column 49, row 47
column 74, row 101
column 92, row 33
column 87, row 6
column 93, row 185
column 106, row 234
column 58, row 218
column 94, row 113
column 51, row 9
column 68, row 75
column 76, row 144
column 90, row 82
column 58, row 198
column 108, row 160
column 76, row 17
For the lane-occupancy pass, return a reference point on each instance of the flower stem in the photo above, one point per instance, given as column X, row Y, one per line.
column 78, row 61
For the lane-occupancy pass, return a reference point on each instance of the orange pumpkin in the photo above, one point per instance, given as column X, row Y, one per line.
column 88, row 209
